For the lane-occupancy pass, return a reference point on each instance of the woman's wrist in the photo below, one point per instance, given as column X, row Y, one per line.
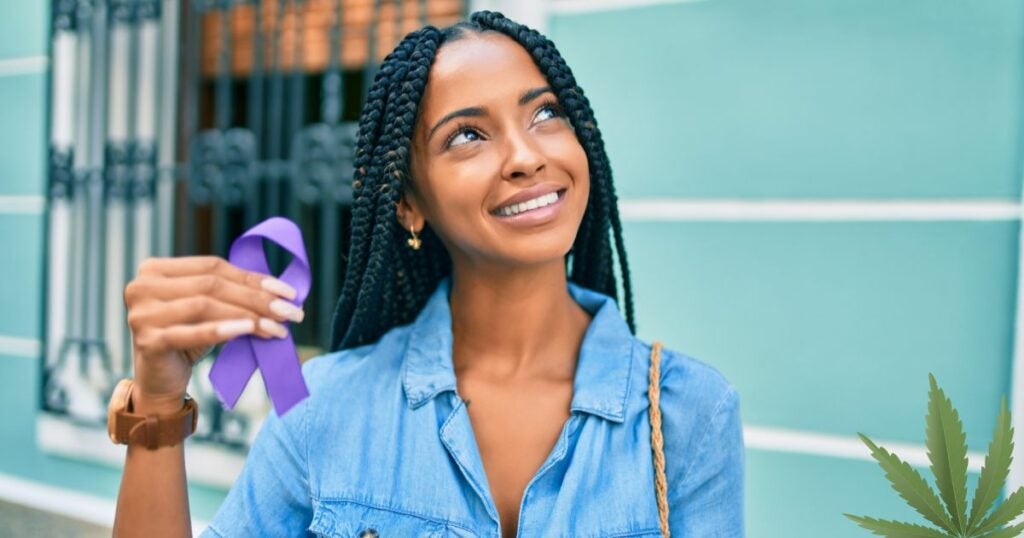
column 156, row 405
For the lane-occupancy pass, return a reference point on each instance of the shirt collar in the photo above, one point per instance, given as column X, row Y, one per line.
column 602, row 378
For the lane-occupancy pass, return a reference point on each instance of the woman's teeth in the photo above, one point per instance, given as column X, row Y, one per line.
column 537, row 202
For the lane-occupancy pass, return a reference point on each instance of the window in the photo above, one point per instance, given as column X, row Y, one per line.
column 175, row 126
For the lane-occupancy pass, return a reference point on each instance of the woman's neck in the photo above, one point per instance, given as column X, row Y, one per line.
column 515, row 324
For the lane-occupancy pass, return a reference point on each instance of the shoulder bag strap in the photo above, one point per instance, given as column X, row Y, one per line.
column 657, row 442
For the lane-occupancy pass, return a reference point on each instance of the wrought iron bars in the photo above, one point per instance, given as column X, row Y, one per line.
column 103, row 170
column 115, row 169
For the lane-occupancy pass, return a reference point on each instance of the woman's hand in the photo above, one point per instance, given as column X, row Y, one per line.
column 179, row 308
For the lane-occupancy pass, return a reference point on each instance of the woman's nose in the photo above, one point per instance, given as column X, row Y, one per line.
column 524, row 157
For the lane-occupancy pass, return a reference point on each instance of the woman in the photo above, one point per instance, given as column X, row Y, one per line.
column 484, row 382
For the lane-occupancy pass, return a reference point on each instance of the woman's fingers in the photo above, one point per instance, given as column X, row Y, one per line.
column 196, row 310
column 214, row 265
column 258, row 301
column 178, row 308
column 155, row 341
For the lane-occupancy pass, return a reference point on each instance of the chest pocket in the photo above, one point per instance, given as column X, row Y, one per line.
column 348, row 519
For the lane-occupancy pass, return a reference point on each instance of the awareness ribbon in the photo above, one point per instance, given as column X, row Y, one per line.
column 276, row 358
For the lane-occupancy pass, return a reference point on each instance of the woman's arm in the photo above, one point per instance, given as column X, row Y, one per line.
column 153, row 500
column 704, row 457
column 708, row 501
column 177, row 308
column 272, row 496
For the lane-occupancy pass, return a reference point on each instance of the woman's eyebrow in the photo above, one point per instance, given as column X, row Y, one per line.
column 530, row 95
column 475, row 111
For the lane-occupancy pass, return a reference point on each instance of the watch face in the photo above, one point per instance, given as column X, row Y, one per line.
column 118, row 402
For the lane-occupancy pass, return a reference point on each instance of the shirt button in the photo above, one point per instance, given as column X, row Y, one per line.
column 368, row 533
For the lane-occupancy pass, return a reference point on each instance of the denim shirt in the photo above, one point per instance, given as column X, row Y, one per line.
column 384, row 446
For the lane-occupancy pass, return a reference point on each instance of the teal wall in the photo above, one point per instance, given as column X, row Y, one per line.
column 827, row 327
column 824, row 327
column 806, row 98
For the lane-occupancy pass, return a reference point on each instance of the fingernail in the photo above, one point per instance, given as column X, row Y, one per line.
column 273, row 327
column 235, row 327
column 287, row 310
column 274, row 285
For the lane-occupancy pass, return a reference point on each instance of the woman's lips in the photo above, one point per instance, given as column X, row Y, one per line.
column 533, row 217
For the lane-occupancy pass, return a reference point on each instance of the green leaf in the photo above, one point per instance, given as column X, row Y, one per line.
column 997, row 466
column 1008, row 532
column 910, row 485
column 1012, row 507
column 947, row 450
column 896, row 529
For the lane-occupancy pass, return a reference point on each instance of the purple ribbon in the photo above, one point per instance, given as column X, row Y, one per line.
column 276, row 358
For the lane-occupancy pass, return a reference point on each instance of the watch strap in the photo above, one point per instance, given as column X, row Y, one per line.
column 154, row 431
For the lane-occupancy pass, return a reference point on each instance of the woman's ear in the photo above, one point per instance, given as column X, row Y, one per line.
column 408, row 213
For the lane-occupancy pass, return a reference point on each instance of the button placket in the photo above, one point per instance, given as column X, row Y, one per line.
column 557, row 455
column 457, row 436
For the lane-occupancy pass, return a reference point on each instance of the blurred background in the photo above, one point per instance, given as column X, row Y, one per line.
column 822, row 199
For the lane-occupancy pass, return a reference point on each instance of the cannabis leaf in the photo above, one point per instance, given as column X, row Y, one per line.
column 910, row 485
column 993, row 473
column 896, row 529
column 947, row 452
column 1012, row 507
column 1008, row 532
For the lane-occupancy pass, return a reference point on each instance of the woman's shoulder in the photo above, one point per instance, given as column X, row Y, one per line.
column 685, row 376
column 701, row 427
column 695, row 396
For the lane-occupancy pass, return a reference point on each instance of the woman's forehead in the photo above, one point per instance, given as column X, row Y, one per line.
column 479, row 70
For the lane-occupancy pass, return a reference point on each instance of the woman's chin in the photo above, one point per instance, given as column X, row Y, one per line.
column 523, row 248
column 535, row 252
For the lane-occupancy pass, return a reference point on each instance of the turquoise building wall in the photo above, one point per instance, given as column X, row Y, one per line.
column 826, row 327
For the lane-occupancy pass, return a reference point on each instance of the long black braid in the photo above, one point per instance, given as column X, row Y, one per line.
column 387, row 283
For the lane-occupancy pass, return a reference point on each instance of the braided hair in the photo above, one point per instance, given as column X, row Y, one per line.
column 386, row 284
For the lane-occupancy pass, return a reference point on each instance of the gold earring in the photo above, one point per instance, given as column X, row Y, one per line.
column 414, row 241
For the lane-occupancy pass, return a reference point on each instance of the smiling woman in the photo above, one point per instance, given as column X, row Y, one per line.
column 481, row 270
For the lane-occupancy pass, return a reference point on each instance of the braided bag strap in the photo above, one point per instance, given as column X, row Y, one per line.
column 657, row 442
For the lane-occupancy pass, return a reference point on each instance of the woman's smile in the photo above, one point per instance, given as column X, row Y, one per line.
column 533, row 206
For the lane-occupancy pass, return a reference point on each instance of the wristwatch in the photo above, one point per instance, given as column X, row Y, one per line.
column 151, row 431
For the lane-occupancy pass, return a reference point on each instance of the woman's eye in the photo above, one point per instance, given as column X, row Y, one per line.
column 547, row 111
column 463, row 136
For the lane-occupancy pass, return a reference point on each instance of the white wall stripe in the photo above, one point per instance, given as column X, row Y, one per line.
column 562, row 7
column 66, row 502
column 22, row 205
column 21, row 347
column 680, row 209
column 838, row 446
column 207, row 463
column 28, row 65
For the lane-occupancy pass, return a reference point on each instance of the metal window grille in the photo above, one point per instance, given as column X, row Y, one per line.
column 173, row 128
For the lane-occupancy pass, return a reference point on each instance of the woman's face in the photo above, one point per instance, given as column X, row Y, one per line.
column 496, row 168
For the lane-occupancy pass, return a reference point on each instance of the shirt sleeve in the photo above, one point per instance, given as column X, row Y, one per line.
column 708, row 501
column 271, row 496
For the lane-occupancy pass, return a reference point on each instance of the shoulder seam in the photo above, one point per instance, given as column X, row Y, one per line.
column 729, row 392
